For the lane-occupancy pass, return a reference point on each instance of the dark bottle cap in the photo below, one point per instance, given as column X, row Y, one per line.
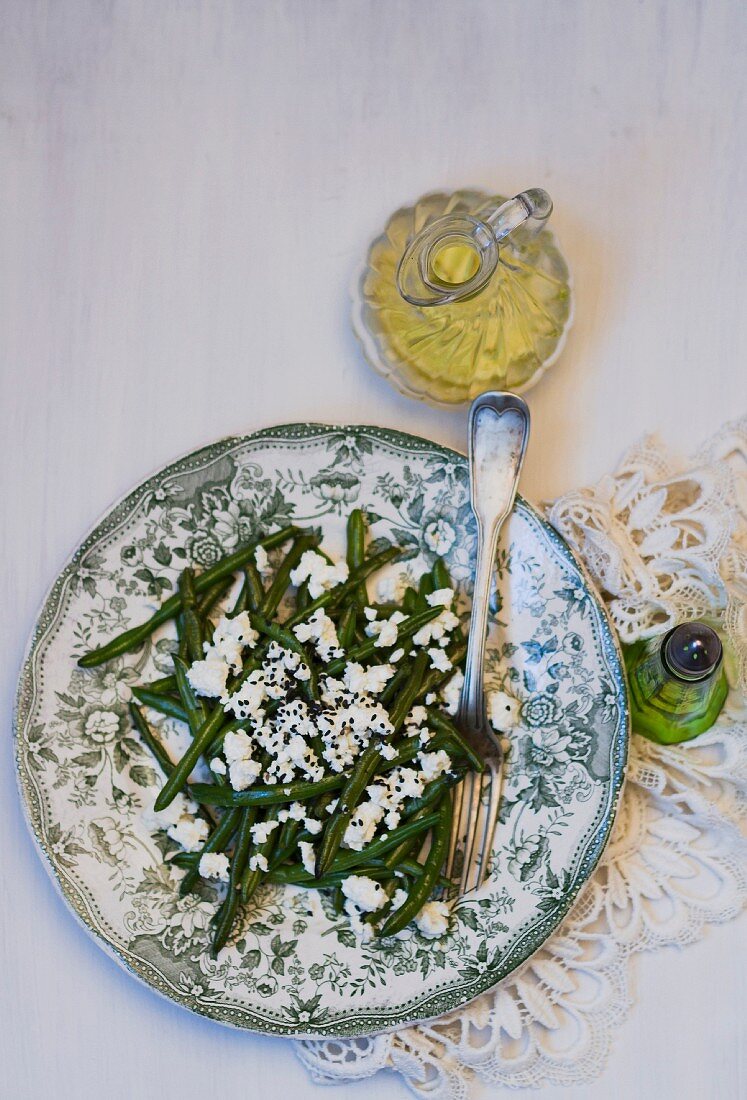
column 692, row 651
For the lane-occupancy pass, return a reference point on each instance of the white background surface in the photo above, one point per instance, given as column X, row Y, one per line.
column 186, row 189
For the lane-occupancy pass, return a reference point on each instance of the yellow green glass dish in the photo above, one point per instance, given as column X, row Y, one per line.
column 502, row 337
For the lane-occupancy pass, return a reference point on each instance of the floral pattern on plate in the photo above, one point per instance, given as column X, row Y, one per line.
column 294, row 967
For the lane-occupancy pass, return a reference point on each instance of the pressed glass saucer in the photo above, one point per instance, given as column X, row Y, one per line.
column 503, row 337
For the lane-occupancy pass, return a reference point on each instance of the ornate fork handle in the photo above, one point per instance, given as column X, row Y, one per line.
column 498, row 434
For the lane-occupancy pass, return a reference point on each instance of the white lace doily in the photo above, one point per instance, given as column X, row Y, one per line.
column 666, row 540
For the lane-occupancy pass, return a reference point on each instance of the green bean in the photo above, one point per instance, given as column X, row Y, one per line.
column 241, row 602
column 356, row 534
column 433, row 792
column 278, row 633
column 410, row 602
column 195, row 709
column 218, row 841
column 413, row 869
column 149, row 738
column 442, row 725
column 209, row 795
column 347, row 861
column 252, row 877
column 133, row 638
column 287, row 841
column 346, row 627
column 277, row 589
column 425, row 588
column 226, row 915
column 440, row 575
column 302, row 598
column 213, row 597
column 294, row 875
column 335, row 595
column 182, row 648
column 394, row 686
column 422, row 887
column 351, row 794
column 356, row 551
column 164, row 704
column 165, row 685
column 203, row 738
column 405, row 629
column 190, row 621
column 255, row 591
column 409, row 693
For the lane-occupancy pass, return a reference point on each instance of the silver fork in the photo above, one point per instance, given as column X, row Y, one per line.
column 498, row 434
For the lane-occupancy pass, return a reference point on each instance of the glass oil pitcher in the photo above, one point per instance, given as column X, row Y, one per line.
column 462, row 293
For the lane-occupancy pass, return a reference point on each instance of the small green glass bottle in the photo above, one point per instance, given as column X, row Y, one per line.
column 677, row 683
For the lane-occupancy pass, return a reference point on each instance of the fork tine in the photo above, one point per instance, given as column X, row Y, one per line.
column 472, row 828
column 491, row 820
column 456, row 825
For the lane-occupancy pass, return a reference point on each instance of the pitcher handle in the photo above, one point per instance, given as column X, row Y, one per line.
column 419, row 279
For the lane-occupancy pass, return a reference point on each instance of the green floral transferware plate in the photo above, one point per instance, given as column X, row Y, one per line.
column 295, row 968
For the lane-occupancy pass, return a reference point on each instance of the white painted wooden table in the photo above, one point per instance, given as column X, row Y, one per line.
column 186, row 189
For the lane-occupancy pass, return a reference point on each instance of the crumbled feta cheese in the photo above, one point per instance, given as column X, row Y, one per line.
column 318, row 573
column 190, row 832
column 364, row 892
column 209, row 677
column 333, row 805
column 503, row 710
column 360, row 928
column 399, row 898
column 434, row 764
column 308, row 856
column 451, row 692
column 442, row 597
column 296, row 811
column 362, row 826
column 433, row 919
column 261, row 831
column 230, row 638
column 371, row 680
column 370, row 613
column 406, row 782
column 261, row 560
column 237, row 745
column 385, row 630
column 397, row 655
column 439, row 660
column 247, row 700
column 444, row 623
column 430, row 698
column 218, row 766
column 214, row 865
column 258, row 862
column 387, row 751
column 417, row 716
column 311, row 825
column 243, row 773
column 425, row 735
column 320, row 629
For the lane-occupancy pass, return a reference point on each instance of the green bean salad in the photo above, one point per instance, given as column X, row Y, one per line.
column 323, row 719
